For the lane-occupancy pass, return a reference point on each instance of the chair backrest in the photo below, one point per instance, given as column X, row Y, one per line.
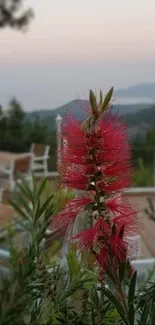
column 23, row 165
column 40, row 150
column 1, row 195
column 5, row 195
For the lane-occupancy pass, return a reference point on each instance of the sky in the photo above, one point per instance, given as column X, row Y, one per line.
column 74, row 45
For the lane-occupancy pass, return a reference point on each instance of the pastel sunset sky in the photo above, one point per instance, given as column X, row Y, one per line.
column 74, row 45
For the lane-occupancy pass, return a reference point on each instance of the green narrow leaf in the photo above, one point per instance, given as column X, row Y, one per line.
column 107, row 99
column 153, row 314
column 19, row 210
column 46, row 205
column 21, row 200
column 42, row 187
column 93, row 103
column 116, row 303
column 145, row 313
column 101, row 98
column 122, row 268
column 25, row 189
column 37, row 213
column 93, row 317
column 131, row 314
column 132, row 288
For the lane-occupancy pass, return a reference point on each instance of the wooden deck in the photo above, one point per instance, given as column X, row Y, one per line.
column 147, row 226
column 6, row 214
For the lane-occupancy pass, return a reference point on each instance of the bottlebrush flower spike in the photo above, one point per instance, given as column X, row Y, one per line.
column 85, row 238
column 90, row 236
column 118, row 247
column 123, row 214
column 109, row 145
column 96, row 159
column 102, row 258
column 65, row 219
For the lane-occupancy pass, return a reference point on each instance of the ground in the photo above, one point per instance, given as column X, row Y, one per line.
column 147, row 226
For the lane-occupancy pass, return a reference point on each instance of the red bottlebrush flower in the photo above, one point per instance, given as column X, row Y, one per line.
column 129, row 222
column 102, row 258
column 112, row 133
column 103, row 228
column 105, row 149
column 74, row 143
column 77, row 176
column 74, row 179
column 85, row 239
column 96, row 158
column 114, row 152
column 115, row 168
column 123, row 214
column 118, row 205
column 114, row 249
column 118, row 247
column 88, row 237
column 112, row 186
column 66, row 218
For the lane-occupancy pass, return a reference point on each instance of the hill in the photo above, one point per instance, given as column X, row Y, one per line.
column 79, row 108
column 142, row 117
column 142, row 90
column 139, row 117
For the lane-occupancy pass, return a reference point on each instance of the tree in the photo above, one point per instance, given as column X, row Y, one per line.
column 15, row 125
column 12, row 15
column 3, row 127
column 39, row 131
column 143, row 176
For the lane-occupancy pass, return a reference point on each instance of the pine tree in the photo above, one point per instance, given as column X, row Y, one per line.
column 12, row 15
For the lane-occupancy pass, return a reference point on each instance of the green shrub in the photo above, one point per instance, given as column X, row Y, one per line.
column 143, row 176
column 41, row 291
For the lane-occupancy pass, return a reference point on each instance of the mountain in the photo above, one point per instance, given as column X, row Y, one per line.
column 75, row 107
column 141, row 91
column 142, row 117
column 139, row 117
column 79, row 108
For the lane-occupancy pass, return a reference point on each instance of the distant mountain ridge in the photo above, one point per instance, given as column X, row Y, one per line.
column 79, row 108
column 139, row 117
column 142, row 90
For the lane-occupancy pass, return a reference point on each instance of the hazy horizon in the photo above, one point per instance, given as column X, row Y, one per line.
column 71, row 47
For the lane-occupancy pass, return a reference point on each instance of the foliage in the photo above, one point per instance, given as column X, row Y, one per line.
column 18, row 132
column 38, row 290
column 14, row 132
column 41, row 291
column 143, row 176
column 144, row 116
column 12, row 15
column 94, row 283
column 144, row 149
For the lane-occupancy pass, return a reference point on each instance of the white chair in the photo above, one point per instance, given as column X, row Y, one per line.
column 18, row 169
column 40, row 158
